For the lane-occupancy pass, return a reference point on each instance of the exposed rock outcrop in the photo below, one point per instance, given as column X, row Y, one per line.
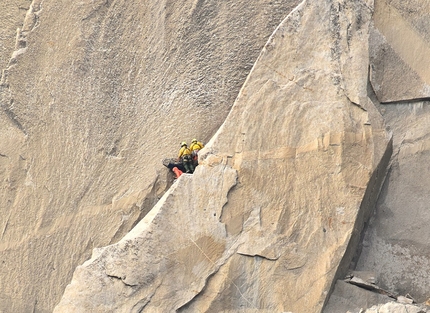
column 349, row 298
column 400, row 42
column 274, row 212
column 12, row 17
column 93, row 96
column 393, row 307
column 396, row 245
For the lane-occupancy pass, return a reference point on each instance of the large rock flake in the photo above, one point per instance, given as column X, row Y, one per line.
column 93, row 95
column 310, row 152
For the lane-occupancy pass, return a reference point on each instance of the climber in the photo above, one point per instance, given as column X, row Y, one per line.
column 185, row 155
column 194, row 148
column 177, row 172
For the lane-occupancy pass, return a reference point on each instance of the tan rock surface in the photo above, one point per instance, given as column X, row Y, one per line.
column 95, row 94
column 396, row 244
column 400, row 44
column 349, row 298
column 13, row 13
column 393, row 307
column 310, row 151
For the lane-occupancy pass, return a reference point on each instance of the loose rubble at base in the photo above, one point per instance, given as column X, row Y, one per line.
column 362, row 287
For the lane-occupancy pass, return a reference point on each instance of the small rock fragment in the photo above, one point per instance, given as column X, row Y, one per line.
column 404, row 300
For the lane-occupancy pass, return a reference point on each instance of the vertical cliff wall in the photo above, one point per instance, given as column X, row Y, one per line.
column 272, row 215
column 396, row 245
column 93, row 95
column 399, row 47
column 13, row 13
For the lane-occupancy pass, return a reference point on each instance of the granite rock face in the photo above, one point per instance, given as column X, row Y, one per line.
column 396, row 244
column 349, row 298
column 400, row 44
column 13, row 14
column 274, row 212
column 94, row 94
column 393, row 307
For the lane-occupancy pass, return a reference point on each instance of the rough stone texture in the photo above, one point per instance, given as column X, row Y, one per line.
column 94, row 95
column 13, row 13
column 180, row 242
column 400, row 45
column 349, row 298
column 396, row 244
column 309, row 150
column 393, row 307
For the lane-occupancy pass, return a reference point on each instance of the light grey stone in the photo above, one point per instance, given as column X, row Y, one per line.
column 398, row 50
column 347, row 297
column 94, row 94
column 310, row 151
column 393, row 307
column 396, row 244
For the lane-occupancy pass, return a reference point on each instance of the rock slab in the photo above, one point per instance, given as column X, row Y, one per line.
column 399, row 45
column 93, row 95
column 396, row 243
column 274, row 212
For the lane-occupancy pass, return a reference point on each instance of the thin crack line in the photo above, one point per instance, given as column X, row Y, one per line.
column 226, row 276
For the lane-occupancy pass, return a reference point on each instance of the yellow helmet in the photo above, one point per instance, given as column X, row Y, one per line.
column 183, row 143
column 194, row 140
